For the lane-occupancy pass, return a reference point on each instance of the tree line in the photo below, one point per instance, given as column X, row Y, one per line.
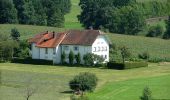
column 34, row 12
column 120, row 16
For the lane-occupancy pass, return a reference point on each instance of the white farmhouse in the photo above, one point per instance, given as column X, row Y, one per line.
column 50, row 45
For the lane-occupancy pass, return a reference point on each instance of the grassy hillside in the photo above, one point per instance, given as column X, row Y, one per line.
column 157, row 48
column 71, row 20
column 52, row 82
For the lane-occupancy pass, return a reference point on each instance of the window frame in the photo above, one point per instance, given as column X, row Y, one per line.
column 46, row 50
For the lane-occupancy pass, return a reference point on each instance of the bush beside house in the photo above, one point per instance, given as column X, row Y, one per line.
column 126, row 65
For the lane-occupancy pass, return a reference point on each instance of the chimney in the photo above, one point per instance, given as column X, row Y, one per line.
column 53, row 34
column 91, row 27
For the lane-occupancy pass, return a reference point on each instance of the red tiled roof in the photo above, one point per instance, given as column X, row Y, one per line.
column 77, row 37
column 73, row 37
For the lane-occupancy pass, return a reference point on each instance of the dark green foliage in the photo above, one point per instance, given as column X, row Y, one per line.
column 167, row 33
column 7, row 49
column 126, row 65
column 113, row 51
column 78, row 58
column 147, row 94
column 31, row 61
column 84, row 82
column 24, row 49
column 144, row 55
column 71, row 58
column 155, row 31
column 28, row 13
column 55, row 18
column 19, row 5
column 125, row 53
column 41, row 17
column 35, row 12
column 114, row 15
column 8, row 13
column 15, row 34
column 92, row 59
column 63, row 57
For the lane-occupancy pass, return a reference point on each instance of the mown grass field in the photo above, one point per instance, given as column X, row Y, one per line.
column 51, row 82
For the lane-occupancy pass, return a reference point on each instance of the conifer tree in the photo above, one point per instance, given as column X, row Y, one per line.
column 8, row 13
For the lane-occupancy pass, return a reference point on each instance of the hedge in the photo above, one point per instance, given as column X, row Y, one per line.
column 32, row 61
column 127, row 65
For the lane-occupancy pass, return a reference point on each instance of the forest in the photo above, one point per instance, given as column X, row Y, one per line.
column 34, row 12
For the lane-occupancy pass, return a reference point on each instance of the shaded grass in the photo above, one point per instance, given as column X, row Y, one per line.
column 52, row 81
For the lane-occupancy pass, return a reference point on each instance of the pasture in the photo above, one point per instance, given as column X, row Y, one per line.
column 51, row 82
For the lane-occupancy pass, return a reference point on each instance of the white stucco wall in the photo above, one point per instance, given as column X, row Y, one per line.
column 101, row 47
column 35, row 52
column 81, row 49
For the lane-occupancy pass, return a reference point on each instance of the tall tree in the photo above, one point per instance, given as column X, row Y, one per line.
column 15, row 34
column 8, row 13
column 40, row 13
column 167, row 33
column 19, row 5
column 28, row 13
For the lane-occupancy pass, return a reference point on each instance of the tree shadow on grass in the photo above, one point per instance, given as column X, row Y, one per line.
column 67, row 92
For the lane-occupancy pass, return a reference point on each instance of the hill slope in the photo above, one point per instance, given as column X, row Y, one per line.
column 157, row 48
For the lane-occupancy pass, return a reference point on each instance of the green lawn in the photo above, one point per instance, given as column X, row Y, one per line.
column 71, row 20
column 52, row 81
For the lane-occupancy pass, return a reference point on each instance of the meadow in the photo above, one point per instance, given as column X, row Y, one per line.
column 51, row 82
column 159, row 49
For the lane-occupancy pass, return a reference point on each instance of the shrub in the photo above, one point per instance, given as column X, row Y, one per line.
column 15, row 34
column 78, row 58
column 125, row 53
column 155, row 31
column 32, row 61
column 71, row 57
column 144, row 55
column 146, row 94
column 126, row 65
column 92, row 59
column 63, row 57
column 84, row 82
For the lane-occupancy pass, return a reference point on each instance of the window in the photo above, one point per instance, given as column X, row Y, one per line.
column 66, row 48
column 98, row 48
column 46, row 50
column 105, row 48
column 76, row 48
column 54, row 51
column 94, row 49
column 105, row 56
